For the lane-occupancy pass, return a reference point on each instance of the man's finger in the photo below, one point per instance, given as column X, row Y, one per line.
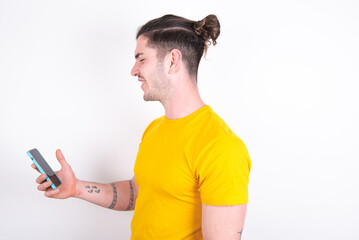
column 60, row 157
column 34, row 167
column 44, row 186
column 51, row 192
column 41, row 178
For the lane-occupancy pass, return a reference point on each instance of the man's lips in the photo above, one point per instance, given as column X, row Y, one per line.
column 143, row 81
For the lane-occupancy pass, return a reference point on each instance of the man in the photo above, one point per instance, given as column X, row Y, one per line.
column 191, row 171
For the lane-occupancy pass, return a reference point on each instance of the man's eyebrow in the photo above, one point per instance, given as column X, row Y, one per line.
column 138, row 54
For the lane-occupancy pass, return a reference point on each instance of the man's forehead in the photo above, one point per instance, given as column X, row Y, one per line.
column 141, row 47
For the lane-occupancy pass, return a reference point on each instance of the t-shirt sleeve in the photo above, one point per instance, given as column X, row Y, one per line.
column 223, row 172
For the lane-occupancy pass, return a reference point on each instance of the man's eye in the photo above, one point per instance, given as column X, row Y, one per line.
column 141, row 60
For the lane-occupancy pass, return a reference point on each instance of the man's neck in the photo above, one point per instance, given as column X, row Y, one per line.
column 183, row 101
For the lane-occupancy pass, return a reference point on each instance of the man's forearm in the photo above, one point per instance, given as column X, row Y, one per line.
column 119, row 195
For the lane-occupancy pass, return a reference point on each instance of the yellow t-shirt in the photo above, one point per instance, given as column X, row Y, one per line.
column 181, row 164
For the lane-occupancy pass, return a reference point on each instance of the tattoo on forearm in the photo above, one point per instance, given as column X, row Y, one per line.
column 91, row 189
column 114, row 200
column 240, row 234
column 130, row 203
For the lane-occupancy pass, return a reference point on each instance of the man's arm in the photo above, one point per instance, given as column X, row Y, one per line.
column 119, row 195
column 223, row 222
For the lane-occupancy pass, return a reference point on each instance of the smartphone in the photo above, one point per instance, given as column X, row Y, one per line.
column 44, row 167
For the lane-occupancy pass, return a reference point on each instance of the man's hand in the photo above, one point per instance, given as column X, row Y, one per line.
column 67, row 188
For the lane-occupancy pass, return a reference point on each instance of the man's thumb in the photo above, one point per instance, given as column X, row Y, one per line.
column 60, row 157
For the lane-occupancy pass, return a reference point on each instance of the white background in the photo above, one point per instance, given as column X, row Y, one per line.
column 284, row 76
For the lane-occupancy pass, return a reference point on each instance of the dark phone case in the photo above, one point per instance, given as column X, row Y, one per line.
column 44, row 167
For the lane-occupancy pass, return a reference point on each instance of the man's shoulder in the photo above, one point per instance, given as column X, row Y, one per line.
column 152, row 126
column 215, row 127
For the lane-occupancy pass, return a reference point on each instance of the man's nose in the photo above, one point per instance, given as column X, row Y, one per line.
column 134, row 70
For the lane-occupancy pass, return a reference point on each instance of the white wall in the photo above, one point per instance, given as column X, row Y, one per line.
column 284, row 76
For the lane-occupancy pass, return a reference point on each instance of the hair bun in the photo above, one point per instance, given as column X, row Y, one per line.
column 208, row 29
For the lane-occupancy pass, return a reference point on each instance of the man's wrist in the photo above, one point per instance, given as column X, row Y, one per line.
column 78, row 189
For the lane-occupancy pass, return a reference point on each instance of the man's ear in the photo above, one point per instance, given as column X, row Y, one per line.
column 175, row 61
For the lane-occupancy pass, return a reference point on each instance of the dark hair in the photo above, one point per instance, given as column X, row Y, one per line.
column 192, row 38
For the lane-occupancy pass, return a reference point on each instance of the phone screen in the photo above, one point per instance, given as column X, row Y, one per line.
column 37, row 158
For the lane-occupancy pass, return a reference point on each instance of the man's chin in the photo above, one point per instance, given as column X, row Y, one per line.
column 150, row 99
